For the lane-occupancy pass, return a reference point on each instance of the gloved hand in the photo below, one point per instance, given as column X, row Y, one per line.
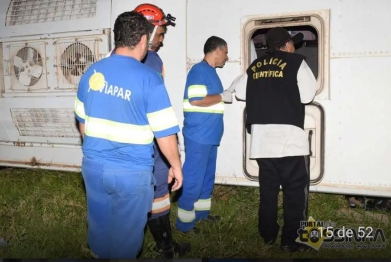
column 232, row 87
column 226, row 96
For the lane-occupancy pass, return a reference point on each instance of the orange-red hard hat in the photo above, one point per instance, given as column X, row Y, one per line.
column 152, row 13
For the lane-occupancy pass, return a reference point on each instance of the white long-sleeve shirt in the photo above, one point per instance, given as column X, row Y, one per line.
column 276, row 140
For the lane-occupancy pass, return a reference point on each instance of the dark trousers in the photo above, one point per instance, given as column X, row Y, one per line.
column 292, row 173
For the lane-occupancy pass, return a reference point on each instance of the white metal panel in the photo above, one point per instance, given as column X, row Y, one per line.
column 357, row 143
column 46, row 157
column 359, row 26
column 99, row 21
column 357, row 140
column 225, row 16
column 2, row 87
column 44, row 120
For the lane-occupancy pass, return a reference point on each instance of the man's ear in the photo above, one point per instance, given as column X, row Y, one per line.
column 144, row 40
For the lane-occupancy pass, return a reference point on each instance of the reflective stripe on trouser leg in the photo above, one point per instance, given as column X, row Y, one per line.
column 161, row 203
column 118, row 202
column 208, row 184
column 160, row 206
column 202, row 208
column 194, row 168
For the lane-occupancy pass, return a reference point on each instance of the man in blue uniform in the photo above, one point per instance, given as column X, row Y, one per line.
column 121, row 105
column 159, row 221
column 203, row 128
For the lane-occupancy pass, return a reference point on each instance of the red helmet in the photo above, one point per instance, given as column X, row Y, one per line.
column 152, row 13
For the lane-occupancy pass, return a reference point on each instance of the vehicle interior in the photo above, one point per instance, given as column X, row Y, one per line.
column 308, row 48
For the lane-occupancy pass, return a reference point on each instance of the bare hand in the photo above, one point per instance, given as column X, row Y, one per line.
column 175, row 174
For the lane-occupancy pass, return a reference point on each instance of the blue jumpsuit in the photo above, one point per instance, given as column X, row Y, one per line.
column 121, row 102
column 161, row 203
column 202, row 130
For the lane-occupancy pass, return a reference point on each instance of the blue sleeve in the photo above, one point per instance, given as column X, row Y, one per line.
column 80, row 99
column 161, row 116
column 196, row 88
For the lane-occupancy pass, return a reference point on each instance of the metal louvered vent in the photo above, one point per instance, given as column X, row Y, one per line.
column 40, row 11
column 45, row 122
column 73, row 59
column 28, row 66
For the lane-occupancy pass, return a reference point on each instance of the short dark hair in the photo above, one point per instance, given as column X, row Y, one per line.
column 213, row 43
column 129, row 27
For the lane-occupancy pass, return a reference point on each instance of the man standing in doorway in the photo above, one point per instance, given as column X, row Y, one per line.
column 121, row 105
column 279, row 84
column 203, row 128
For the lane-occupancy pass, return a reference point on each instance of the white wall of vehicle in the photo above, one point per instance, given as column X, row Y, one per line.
column 357, row 140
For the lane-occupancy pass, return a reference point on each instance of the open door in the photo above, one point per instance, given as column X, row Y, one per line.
column 314, row 127
column 314, row 25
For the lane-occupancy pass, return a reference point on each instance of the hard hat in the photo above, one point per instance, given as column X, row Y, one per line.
column 152, row 13
column 155, row 16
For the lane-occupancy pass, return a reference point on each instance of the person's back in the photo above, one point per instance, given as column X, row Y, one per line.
column 119, row 132
column 121, row 105
column 279, row 84
column 275, row 90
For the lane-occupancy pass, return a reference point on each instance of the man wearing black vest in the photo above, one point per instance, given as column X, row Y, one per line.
column 279, row 83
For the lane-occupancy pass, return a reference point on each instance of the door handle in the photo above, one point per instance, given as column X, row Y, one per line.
column 310, row 140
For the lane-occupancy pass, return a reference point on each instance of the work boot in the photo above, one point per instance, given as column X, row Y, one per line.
column 161, row 231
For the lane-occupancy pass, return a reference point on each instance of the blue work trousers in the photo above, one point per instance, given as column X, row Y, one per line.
column 199, row 171
column 161, row 203
column 118, row 202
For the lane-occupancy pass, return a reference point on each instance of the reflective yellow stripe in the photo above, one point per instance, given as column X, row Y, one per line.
column 215, row 109
column 186, row 216
column 162, row 119
column 118, row 132
column 203, row 204
column 197, row 91
column 79, row 108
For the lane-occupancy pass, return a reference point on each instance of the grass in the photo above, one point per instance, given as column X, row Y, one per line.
column 43, row 215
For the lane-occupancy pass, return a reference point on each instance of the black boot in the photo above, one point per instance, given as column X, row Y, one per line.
column 161, row 231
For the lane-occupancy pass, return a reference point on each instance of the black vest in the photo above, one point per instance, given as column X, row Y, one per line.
column 272, row 95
